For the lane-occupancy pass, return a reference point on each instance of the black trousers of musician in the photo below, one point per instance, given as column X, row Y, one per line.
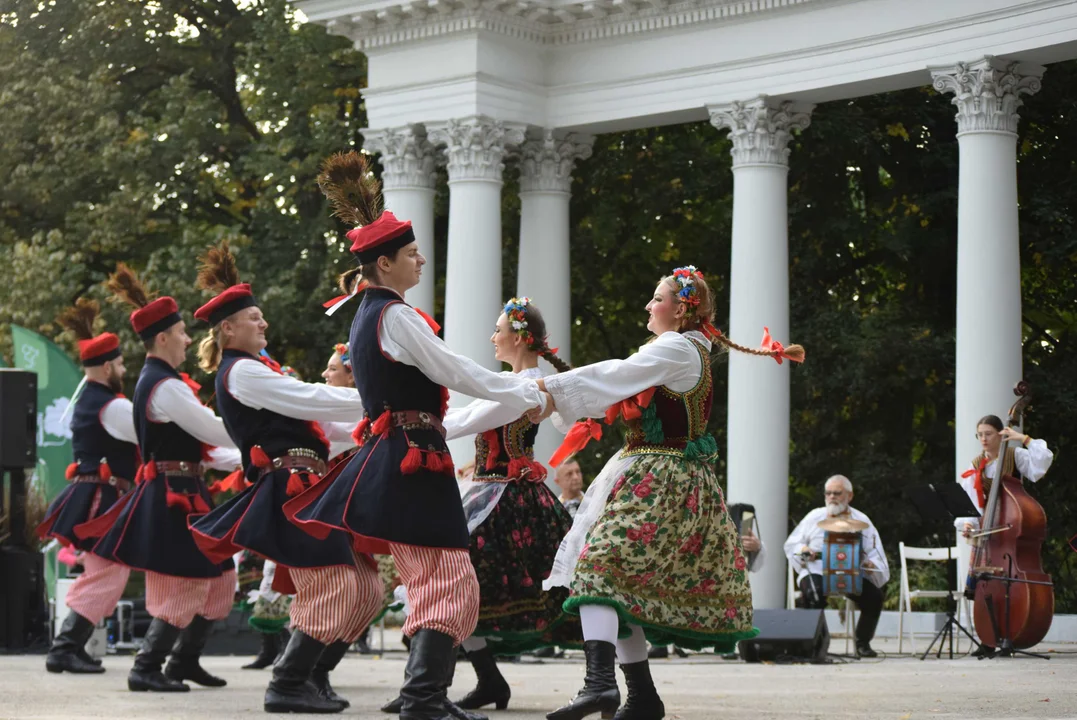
column 870, row 602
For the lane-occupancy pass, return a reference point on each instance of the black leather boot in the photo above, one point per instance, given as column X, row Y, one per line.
column 643, row 702
column 599, row 693
column 426, row 676
column 491, row 688
column 393, row 707
column 271, row 647
column 184, row 665
column 67, row 653
column 289, row 690
column 146, row 673
column 452, row 708
column 328, row 662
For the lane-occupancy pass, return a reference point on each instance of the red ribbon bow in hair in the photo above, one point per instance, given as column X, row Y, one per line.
column 711, row 332
column 978, row 483
column 577, row 438
column 776, row 349
column 339, row 301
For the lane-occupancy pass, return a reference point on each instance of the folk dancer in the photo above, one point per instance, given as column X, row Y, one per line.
column 106, row 458
column 274, row 418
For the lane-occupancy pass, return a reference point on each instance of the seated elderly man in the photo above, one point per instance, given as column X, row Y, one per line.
column 804, row 548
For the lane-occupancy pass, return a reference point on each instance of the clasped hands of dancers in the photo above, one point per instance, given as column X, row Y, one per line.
column 495, row 564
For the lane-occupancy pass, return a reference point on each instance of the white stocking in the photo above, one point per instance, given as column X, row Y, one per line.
column 599, row 622
column 632, row 649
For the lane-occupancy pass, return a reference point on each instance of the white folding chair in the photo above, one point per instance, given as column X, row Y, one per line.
column 791, row 592
column 908, row 595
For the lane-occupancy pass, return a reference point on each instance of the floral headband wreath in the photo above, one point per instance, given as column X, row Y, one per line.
column 345, row 357
column 516, row 311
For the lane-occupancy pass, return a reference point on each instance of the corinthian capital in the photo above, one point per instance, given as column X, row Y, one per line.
column 761, row 128
column 987, row 92
column 407, row 156
column 475, row 146
column 546, row 164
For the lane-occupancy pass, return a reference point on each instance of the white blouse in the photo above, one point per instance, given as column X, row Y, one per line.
column 1032, row 462
column 671, row 360
column 482, row 415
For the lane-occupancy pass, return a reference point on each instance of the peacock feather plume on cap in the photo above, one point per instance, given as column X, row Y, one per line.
column 349, row 184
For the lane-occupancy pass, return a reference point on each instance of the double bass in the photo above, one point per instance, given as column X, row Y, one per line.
column 1013, row 598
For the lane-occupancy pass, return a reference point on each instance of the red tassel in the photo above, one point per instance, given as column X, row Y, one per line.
column 412, row 461
column 233, row 482
column 447, row 466
column 259, row 457
column 72, row 471
column 493, row 441
column 381, row 425
column 360, row 430
column 432, row 461
column 444, row 400
column 295, row 485
column 177, row 500
column 200, row 505
column 104, row 471
column 149, row 471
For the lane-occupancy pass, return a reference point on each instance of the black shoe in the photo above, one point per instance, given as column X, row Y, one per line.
column 599, row 693
column 289, row 690
column 547, row 652
column 328, row 662
column 458, row 713
column 272, row 646
column 984, row 651
column 643, row 702
column 491, row 688
column 362, row 645
column 68, row 653
column 427, row 675
column 863, row 649
column 184, row 665
column 146, row 673
column 393, row 707
column 85, row 657
column 658, row 652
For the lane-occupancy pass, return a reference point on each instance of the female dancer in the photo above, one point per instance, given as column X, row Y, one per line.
column 652, row 554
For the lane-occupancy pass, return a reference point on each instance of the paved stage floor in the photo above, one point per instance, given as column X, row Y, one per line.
column 700, row 687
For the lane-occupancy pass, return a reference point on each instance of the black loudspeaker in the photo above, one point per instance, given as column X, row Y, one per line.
column 18, row 418
column 787, row 635
column 23, row 608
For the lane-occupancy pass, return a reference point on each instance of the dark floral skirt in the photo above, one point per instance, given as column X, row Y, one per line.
column 512, row 551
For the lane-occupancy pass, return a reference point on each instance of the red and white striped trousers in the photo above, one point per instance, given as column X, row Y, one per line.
column 177, row 600
column 335, row 603
column 97, row 590
column 442, row 589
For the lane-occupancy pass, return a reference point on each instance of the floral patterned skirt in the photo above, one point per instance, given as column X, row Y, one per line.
column 389, row 581
column 665, row 554
column 512, row 550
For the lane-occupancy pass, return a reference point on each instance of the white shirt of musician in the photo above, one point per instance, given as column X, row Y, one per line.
column 810, row 534
column 1032, row 463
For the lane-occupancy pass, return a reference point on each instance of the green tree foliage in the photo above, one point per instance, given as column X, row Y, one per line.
column 144, row 131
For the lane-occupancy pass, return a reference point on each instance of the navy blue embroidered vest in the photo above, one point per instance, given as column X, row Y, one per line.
column 90, row 441
column 276, row 434
column 383, row 383
column 167, row 440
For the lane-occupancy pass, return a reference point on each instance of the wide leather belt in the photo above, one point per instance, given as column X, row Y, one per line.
column 116, row 482
column 417, row 418
column 298, row 462
column 178, row 468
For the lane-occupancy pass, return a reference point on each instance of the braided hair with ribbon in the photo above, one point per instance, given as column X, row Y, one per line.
column 527, row 322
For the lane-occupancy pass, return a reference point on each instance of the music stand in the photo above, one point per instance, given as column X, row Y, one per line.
column 945, row 504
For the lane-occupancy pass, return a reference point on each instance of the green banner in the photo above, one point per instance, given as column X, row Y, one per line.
column 57, row 378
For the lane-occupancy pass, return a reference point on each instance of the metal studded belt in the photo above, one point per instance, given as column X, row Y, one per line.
column 419, row 418
column 116, row 482
column 178, row 468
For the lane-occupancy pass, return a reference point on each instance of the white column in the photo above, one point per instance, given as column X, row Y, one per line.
column 757, row 459
column 408, row 184
column 987, row 95
column 545, row 191
column 475, row 147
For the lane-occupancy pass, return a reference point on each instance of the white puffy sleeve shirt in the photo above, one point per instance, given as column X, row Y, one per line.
column 173, row 401
column 406, row 338
column 118, row 419
column 1032, row 462
column 671, row 360
column 482, row 415
column 256, row 386
column 808, row 533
